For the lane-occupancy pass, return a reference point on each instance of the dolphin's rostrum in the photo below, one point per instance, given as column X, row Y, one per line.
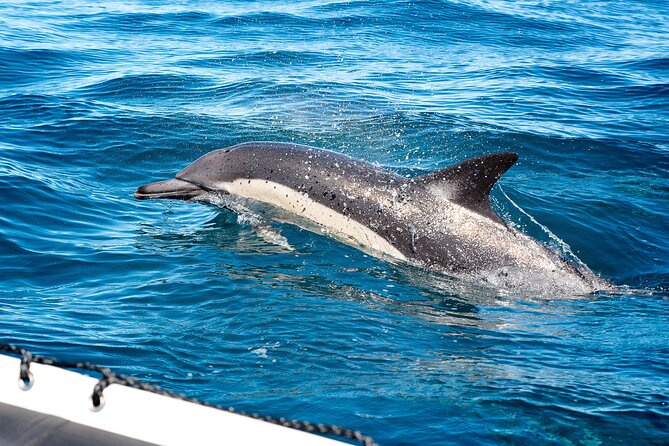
column 441, row 220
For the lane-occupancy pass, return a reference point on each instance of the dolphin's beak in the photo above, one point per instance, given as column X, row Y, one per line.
column 175, row 189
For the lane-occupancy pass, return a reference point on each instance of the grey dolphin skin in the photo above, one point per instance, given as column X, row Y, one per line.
column 442, row 220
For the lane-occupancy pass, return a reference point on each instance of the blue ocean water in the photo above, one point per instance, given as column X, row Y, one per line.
column 97, row 98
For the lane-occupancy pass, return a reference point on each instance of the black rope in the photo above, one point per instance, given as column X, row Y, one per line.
column 109, row 377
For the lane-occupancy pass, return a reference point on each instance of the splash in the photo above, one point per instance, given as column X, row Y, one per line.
column 562, row 246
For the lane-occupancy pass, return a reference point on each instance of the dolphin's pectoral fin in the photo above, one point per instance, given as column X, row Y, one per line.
column 261, row 226
column 272, row 235
column 469, row 182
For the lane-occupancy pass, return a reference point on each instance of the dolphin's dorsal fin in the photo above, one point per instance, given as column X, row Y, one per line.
column 469, row 182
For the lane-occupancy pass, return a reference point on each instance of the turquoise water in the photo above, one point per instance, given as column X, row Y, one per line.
column 97, row 98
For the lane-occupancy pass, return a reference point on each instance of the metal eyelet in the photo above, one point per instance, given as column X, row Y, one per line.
column 26, row 384
column 92, row 407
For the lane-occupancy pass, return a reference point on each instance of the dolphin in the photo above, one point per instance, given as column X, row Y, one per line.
column 441, row 220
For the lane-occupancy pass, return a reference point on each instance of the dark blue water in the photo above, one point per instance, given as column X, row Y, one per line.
column 97, row 98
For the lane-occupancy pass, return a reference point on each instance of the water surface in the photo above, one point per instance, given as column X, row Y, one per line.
column 97, row 98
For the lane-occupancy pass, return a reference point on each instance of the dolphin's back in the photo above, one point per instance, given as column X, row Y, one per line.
column 291, row 164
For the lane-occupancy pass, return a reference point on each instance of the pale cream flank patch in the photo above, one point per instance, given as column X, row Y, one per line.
column 300, row 204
